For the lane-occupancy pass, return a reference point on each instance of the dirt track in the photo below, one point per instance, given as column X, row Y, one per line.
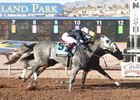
column 48, row 89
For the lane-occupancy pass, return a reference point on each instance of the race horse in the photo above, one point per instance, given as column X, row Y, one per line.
column 94, row 63
column 44, row 51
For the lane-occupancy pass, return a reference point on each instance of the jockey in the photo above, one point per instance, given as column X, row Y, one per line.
column 88, row 38
column 83, row 36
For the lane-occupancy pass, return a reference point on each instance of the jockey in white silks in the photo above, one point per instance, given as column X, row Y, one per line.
column 84, row 36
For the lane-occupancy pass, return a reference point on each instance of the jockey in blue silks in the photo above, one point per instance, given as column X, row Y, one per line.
column 82, row 37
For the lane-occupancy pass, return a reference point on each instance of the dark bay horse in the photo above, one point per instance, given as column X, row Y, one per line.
column 94, row 63
column 44, row 51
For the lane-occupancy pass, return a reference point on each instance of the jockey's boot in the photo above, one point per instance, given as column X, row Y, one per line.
column 69, row 48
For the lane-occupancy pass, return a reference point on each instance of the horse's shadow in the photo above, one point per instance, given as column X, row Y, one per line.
column 133, row 85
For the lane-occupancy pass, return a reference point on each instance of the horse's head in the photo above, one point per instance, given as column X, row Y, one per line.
column 110, row 47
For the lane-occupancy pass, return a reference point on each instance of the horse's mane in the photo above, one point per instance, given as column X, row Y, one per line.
column 98, row 37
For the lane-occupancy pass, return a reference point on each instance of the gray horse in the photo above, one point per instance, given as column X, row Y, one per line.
column 94, row 63
column 44, row 51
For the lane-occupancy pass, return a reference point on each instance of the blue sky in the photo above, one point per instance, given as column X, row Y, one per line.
column 40, row 1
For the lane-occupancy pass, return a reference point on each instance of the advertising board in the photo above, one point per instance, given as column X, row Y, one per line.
column 130, row 69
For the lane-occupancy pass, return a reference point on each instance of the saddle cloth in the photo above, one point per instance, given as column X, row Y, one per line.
column 61, row 48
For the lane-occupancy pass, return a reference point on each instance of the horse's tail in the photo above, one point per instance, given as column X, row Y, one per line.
column 13, row 59
column 27, row 56
column 22, row 50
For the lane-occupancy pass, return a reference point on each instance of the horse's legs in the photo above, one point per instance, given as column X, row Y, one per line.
column 23, row 71
column 35, row 72
column 28, row 76
column 85, row 72
column 100, row 70
column 41, row 69
column 33, row 82
column 74, row 72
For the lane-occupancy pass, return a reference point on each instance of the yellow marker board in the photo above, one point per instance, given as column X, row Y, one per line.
column 13, row 29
